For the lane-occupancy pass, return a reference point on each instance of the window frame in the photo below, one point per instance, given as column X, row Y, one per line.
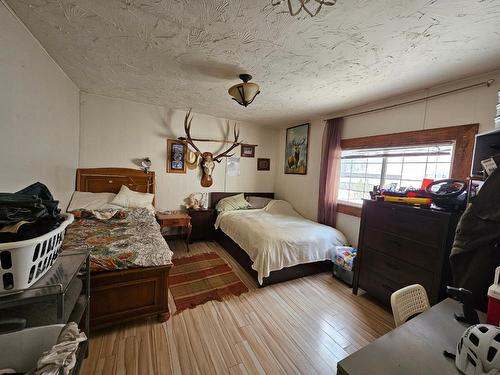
column 462, row 137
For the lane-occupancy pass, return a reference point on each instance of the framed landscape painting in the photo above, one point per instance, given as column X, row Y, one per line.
column 296, row 149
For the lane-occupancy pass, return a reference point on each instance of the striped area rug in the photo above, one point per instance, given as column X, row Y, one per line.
column 201, row 278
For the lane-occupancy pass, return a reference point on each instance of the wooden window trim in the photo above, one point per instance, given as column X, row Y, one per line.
column 349, row 208
column 462, row 137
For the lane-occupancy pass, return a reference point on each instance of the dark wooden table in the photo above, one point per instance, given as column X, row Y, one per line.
column 415, row 348
column 175, row 220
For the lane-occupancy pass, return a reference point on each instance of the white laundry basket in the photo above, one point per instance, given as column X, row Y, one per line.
column 22, row 263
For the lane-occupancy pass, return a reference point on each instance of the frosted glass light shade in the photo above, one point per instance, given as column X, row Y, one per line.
column 244, row 93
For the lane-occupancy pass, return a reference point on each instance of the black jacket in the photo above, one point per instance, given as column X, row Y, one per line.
column 475, row 253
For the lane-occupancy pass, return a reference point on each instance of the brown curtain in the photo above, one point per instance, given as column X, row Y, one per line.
column 330, row 172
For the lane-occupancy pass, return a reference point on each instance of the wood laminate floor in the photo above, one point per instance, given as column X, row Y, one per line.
column 303, row 326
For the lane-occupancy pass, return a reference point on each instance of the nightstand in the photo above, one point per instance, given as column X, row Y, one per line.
column 175, row 220
column 203, row 224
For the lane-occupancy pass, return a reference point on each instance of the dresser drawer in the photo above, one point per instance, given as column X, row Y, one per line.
column 174, row 222
column 396, row 273
column 414, row 224
column 419, row 254
column 378, row 286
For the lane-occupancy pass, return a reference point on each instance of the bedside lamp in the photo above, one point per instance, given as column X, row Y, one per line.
column 146, row 164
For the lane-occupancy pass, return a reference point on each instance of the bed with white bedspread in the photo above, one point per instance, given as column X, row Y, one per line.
column 276, row 237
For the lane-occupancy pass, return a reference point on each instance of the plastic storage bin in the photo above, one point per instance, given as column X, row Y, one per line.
column 21, row 350
column 343, row 265
column 22, row 263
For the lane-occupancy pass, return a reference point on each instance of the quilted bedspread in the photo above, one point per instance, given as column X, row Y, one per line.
column 118, row 239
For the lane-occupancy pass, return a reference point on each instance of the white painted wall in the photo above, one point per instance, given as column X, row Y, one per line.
column 472, row 106
column 39, row 114
column 113, row 132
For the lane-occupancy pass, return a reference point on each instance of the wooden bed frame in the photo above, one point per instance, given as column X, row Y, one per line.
column 244, row 260
column 137, row 293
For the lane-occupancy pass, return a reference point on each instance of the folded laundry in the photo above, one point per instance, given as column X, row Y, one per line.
column 28, row 213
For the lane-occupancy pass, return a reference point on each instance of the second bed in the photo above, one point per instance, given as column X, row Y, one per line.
column 275, row 243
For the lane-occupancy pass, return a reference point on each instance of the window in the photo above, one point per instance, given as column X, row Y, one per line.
column 459, row 138
column 392, row 167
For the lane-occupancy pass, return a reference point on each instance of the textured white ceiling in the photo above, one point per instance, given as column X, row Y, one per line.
column 187, row 53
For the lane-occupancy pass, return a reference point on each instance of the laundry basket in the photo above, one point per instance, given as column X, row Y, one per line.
column 22, row 263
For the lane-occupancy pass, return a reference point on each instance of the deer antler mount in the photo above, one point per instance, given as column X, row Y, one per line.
column 207, row 158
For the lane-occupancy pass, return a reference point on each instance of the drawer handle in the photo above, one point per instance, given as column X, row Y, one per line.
column 392, row 266
column 389, row 288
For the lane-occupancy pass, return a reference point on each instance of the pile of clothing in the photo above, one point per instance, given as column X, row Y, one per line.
column 58, row 359
column 28, row 213
column 61, row 359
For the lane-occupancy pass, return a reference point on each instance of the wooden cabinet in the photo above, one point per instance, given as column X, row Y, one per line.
column 401, row 245
column 203, row 224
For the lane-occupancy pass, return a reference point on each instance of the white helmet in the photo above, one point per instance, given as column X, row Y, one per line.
column 478, row 351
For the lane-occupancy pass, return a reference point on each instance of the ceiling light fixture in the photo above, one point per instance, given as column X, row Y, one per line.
column 244, row 93
column 303, row 5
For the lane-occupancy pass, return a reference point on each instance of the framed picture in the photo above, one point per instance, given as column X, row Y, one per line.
column 263, row 164
column 176, row 156
column 296, row 149
column 248, row 151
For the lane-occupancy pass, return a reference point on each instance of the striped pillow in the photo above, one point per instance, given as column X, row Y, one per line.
column 235, row 202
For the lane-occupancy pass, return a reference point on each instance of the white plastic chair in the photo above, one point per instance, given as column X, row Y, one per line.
column 408, row 302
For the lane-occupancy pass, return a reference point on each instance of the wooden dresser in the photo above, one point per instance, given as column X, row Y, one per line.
column 401, row 245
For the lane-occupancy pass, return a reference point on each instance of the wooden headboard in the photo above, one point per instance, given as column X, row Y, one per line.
column 110, row 180
column 215, row 197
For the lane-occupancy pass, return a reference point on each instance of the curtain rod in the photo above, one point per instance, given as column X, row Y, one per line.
column 487, row 83
column 437, row 153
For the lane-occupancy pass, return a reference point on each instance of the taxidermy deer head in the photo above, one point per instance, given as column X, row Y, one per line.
column 207, row 158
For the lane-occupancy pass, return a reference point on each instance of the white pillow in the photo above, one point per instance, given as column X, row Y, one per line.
column 91, row 201
column 258, row 202
column 133, row 199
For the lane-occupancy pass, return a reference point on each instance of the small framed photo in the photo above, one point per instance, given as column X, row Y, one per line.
column 176, row 156
column 263, row 164
column 248, row 151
